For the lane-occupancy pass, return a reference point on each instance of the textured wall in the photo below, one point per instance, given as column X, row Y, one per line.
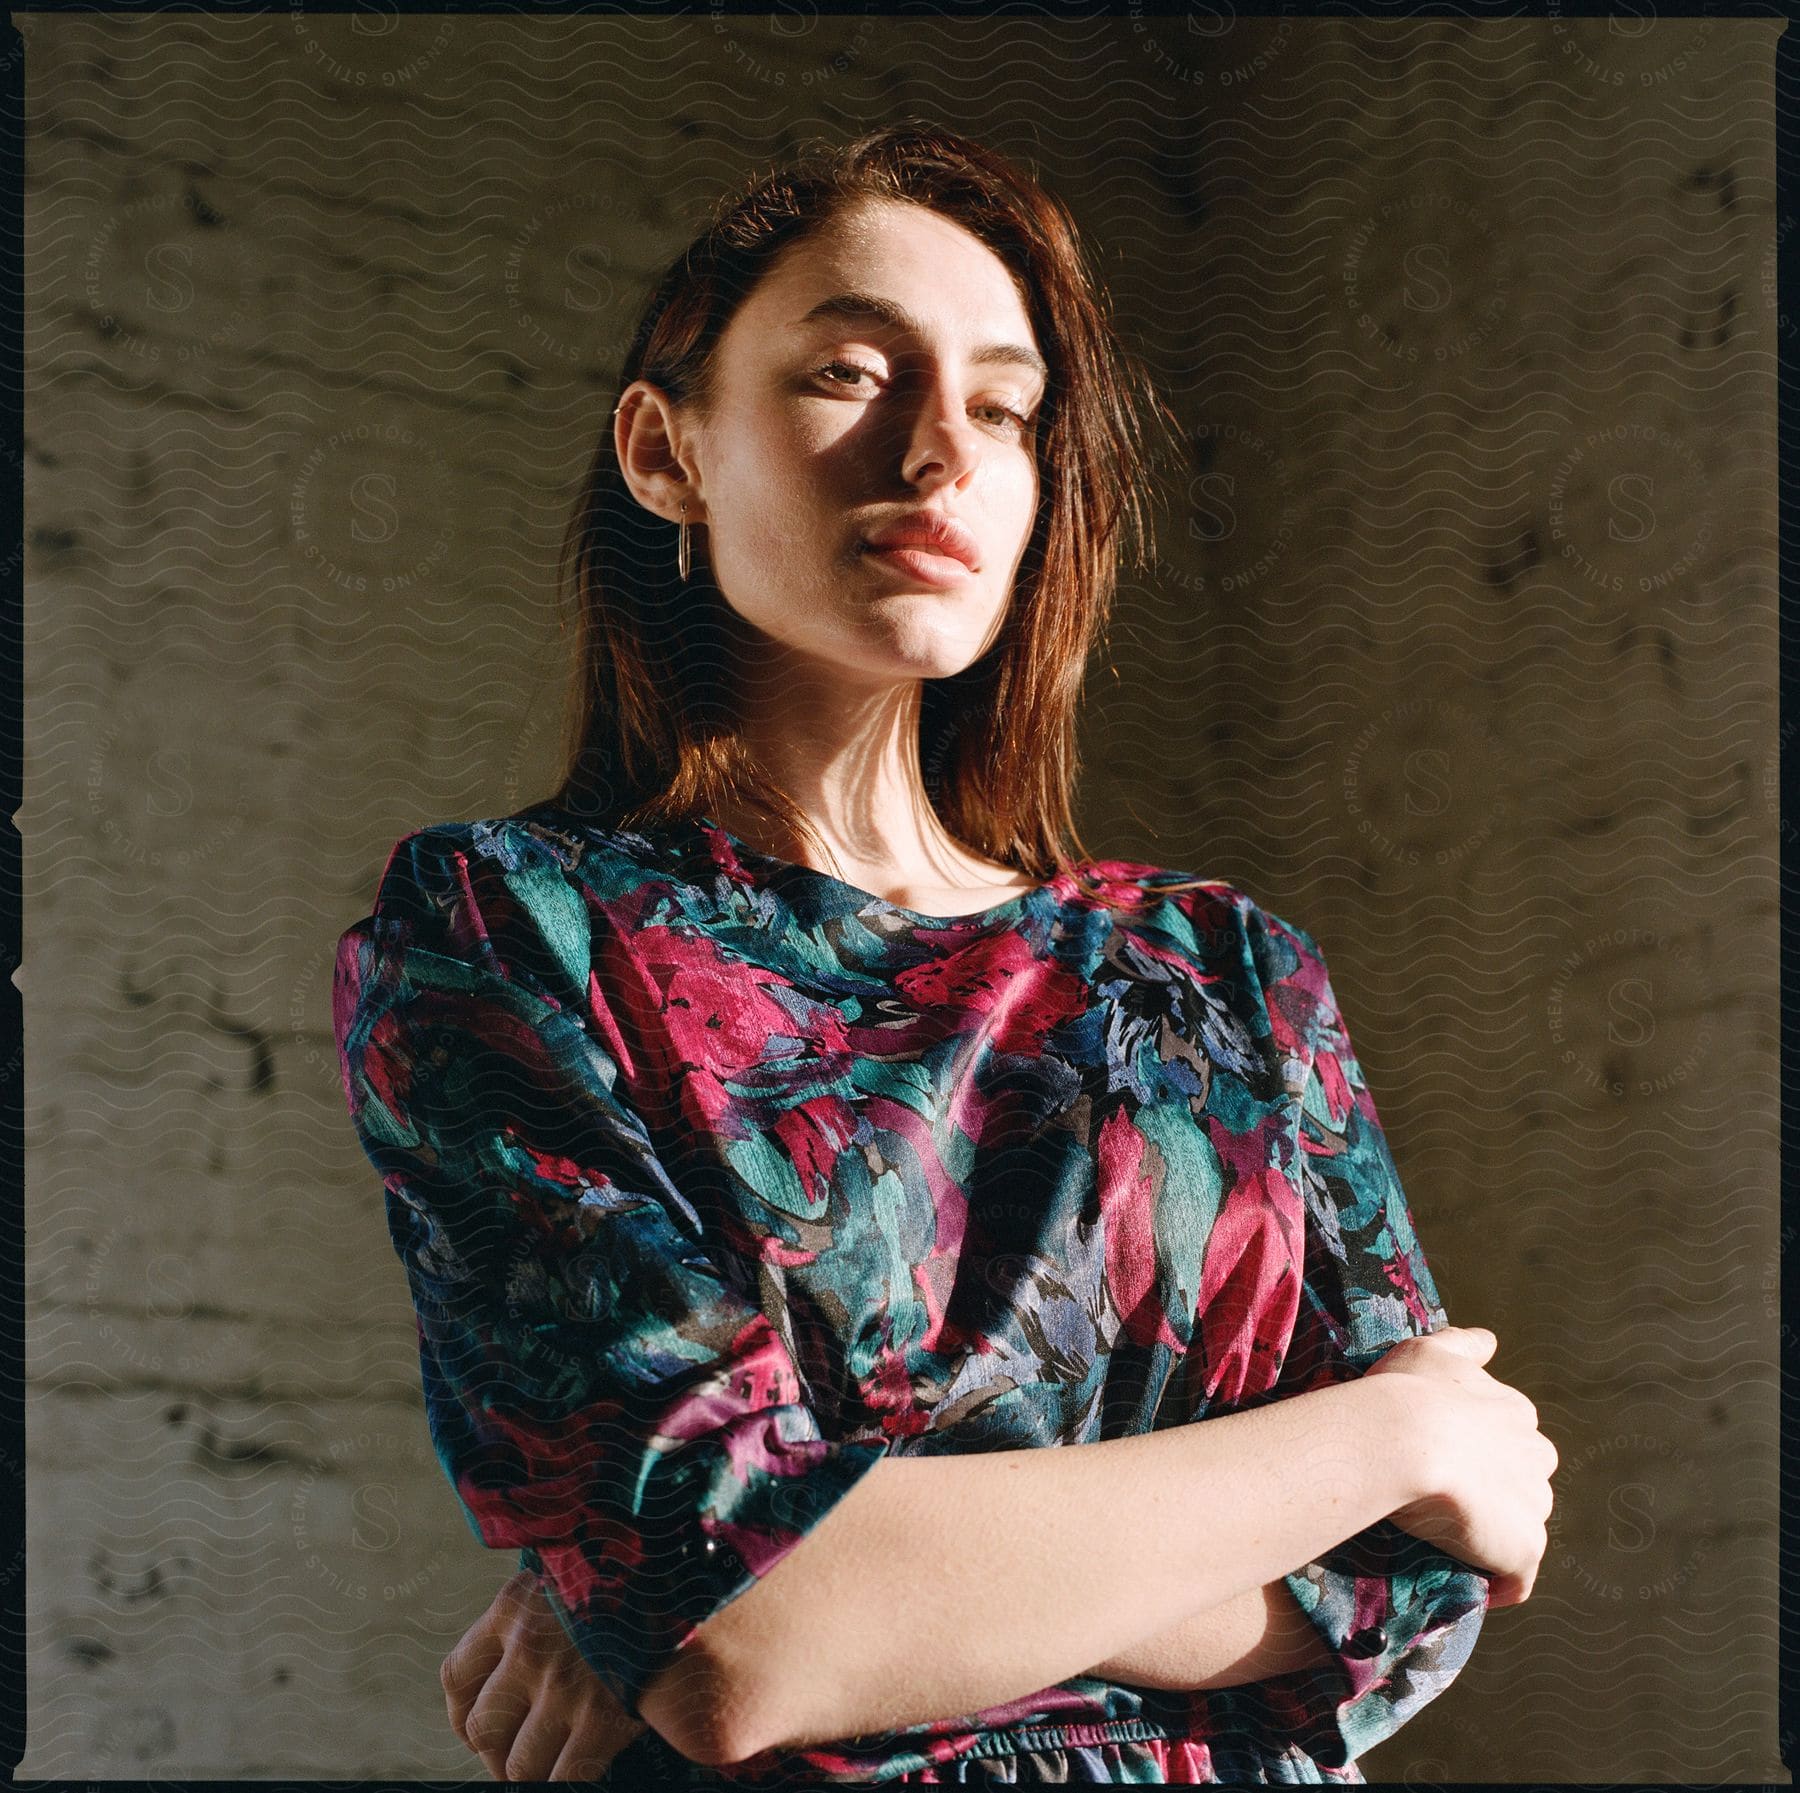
column 1460, row 652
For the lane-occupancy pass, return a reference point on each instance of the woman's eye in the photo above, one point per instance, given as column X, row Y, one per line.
column 1006, row 411
column 835, row 370
column 847, row 367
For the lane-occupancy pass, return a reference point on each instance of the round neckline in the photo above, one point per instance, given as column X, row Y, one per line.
column 864, row 900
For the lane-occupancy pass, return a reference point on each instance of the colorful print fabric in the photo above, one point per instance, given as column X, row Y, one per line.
column 716, row 1179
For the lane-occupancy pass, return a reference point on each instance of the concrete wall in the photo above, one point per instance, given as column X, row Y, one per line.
column 1460, row 653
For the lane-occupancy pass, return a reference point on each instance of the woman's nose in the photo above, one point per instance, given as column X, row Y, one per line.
column 942, row 434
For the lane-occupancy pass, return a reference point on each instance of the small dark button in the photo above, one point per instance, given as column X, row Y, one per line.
column 1370, row 1641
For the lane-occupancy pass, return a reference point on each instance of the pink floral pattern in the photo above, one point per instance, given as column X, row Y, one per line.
column 715, row 1180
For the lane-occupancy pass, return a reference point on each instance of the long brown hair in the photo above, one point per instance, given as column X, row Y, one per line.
column 651, row 734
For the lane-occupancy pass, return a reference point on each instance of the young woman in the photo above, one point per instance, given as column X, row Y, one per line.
column 783, row 1133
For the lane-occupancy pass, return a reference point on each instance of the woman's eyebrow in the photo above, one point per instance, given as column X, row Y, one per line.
column 861, row 307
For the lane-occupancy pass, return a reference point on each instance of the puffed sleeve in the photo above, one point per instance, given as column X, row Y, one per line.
column 1400, row 1616
column 604, row 1398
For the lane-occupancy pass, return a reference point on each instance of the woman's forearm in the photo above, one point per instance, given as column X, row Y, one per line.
column 943, row 1585
column 1250, row 1637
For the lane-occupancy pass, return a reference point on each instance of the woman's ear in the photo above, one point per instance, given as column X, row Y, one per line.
column 656, row 448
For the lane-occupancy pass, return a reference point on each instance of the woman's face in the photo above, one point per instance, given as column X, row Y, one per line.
column 833, row 420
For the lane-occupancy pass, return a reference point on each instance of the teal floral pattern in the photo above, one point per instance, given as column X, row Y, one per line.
column 716, row 1180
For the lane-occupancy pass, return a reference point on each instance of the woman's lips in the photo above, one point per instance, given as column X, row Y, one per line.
column 921, row 563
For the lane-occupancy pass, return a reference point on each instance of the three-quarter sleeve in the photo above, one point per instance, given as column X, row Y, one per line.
column 604, row 1396
column 1399, row 1616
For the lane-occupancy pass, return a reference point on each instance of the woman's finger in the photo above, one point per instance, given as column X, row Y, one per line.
column 465, row 1672
column 494, row 1721
column 1506, row 1590
column 1477, row 1343
column 589, row 1752
column 535, row 1749
column 601, row 1729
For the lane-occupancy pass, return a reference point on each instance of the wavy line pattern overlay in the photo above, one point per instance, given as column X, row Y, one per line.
column 1459, row 649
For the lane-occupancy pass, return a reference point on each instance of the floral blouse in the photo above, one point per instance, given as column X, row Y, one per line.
column 717, row 1179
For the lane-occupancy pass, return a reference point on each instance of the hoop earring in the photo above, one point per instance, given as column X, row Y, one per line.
column 682, row 560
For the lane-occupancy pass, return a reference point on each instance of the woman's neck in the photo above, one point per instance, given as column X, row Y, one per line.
column 920, row 867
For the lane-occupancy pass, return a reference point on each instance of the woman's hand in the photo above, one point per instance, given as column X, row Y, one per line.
column 1488, row 1465
column 521, row 1697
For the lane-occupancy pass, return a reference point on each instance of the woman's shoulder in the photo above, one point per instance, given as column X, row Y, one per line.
column 1226, row 928
column 1213, row 900
column 519, row 893
column 538, row 841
